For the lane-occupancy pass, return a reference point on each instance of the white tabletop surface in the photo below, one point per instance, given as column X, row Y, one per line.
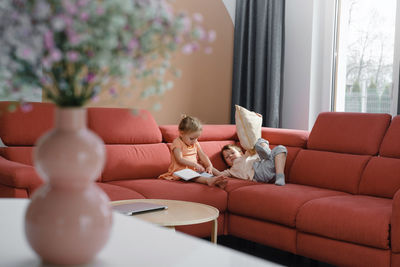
column 132, row 243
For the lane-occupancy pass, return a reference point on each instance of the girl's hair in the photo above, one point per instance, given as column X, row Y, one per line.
column 228, row 147
column 189, row 124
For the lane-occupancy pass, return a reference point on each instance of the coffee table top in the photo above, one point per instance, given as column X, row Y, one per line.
column 178, row 212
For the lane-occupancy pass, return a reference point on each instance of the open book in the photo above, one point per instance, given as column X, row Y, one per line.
column 187, row 174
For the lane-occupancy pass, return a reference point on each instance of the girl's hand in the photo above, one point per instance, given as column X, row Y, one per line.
column 209, row 169
column 199, row 168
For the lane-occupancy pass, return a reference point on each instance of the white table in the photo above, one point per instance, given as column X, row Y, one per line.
column 132, row 243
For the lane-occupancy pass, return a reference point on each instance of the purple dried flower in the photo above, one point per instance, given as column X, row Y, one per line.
column 84, row 16
column 48, row 40
column 90, row 77
column 112, row 92
column 72, row 56
column 82, row 3
column 198, row 17
column 212, row 35
column 46, row 62
column 187, row 49
column 26, row 53
column 66, row 19
column 90, row 53
column 100, row 10
column 133, row 44
column 187, row 24
column 55, row 55
column 95, row 98
column 73, row 37
column 70, row 7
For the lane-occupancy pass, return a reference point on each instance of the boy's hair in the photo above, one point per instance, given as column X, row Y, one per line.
column 189, row 124
column 228, row 147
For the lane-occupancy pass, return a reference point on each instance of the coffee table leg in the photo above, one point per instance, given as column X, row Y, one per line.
column 214, row 232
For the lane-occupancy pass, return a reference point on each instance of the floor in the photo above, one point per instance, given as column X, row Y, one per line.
column 268, row 253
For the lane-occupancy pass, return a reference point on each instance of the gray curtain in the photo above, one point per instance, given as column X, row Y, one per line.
column 258, row 58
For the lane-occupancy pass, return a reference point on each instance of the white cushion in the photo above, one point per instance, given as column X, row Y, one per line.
column 248, row 127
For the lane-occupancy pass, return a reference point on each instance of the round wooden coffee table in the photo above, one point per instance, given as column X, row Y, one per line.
column 178, row 213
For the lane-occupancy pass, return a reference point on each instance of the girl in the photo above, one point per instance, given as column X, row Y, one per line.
column 185, row 151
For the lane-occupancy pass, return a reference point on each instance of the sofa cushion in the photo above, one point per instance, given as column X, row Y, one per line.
column 23, row 128
column 124, row 126
column 278, row 204
column 340, row 253
column 178, row 190
column 21, row 154
column 346, row 132
column 115, row 192
column 363, row 220
column 336, row 171
column 395, row 222
column 126, row 162
column 266, row 233
column 209, row 133
column 390, row 146
column 234, row 183
column 381, row 177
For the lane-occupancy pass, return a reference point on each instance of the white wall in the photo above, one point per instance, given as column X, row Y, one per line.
column 297, row 64
column 308, row 61
column 230, row 7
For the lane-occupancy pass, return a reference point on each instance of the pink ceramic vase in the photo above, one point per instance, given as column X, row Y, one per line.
column 69, row 218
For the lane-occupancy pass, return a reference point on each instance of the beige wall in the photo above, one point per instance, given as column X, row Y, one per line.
column 204, row 89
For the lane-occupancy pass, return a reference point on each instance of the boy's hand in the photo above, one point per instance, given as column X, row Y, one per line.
column 199, row 168
column 209, row 169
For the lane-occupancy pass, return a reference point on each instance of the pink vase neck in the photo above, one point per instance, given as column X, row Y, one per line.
column 70, row 118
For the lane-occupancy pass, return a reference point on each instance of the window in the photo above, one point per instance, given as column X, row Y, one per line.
column 366, row 69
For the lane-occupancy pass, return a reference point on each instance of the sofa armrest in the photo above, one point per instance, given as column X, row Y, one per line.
column 15, row 174
column 286, row 137
column 395, row 223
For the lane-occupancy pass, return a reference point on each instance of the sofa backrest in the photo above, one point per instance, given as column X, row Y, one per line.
column 131, row 138
column 347, row 132
column 338, row 150
column 23, row 128
column 133, row 143
column 381, row 177
column 124, row 126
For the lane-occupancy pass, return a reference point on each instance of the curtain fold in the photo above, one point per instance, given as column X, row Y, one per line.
column 258, row 58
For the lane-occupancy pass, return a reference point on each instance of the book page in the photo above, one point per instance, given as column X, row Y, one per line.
column 187, row 174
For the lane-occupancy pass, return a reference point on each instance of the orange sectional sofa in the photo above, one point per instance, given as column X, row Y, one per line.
column 340, row 204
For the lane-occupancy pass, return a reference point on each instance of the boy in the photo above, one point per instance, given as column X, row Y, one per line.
column 261, row 167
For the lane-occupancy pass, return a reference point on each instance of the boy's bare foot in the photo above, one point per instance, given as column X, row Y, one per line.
column 222, row 183
column 219, row 181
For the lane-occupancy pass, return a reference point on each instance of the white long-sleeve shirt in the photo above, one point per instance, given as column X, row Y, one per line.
column 242, row 167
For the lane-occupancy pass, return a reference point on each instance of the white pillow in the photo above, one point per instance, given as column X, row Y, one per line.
column 248, row 127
